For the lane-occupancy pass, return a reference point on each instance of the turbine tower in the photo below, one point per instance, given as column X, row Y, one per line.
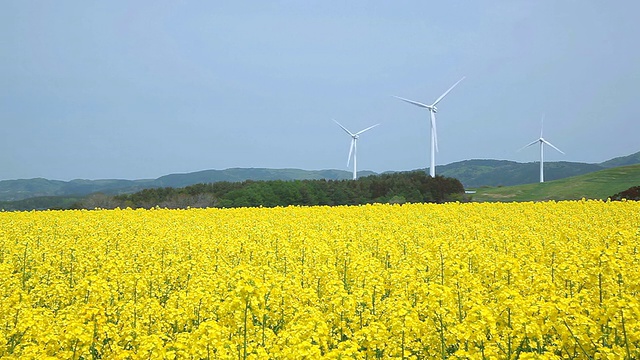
column 434, row 135
column 541, row 141
column 353, row 149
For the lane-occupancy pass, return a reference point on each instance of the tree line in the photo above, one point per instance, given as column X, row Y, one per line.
column 414, row 187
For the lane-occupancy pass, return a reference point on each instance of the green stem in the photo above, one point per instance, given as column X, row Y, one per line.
column 624, row 332
column 577, row 341
column 244, row 335
column 459, row 305
column 373, row 301
column 24, row 267
column 441, row 268
column 509, row 350
column 402, row 356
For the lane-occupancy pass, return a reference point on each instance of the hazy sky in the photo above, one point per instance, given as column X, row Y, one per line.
column 140, row 89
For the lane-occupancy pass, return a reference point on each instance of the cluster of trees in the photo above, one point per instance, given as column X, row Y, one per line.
column 412, row 187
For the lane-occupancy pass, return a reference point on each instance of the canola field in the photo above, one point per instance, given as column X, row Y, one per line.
column 418, row 281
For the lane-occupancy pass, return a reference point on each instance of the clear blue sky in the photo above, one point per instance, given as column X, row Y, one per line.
column 140, row 89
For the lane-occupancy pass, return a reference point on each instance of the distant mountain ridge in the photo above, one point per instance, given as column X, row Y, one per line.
column 14, row 190
column 622, row 161
column 243, row 174
column 477, row 173
column 472, row 173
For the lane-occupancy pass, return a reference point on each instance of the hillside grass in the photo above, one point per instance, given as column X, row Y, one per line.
column 597, row 185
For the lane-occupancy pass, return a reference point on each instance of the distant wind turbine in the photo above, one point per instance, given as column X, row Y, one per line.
column 541, row 141
column 353, row 149
column 434, row 135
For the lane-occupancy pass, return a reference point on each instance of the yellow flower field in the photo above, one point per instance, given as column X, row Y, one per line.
column 462, row 281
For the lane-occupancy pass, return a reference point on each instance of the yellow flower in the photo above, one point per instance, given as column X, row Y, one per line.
column 529, row 280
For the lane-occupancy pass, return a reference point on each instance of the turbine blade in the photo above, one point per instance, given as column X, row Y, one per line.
column 541, row 125
column 344, row 128
column 353, row 143
column 413, row 102
column 433, row 129
column 369, row 128
column 550, row 144
column 446, row 92
column 532, row 143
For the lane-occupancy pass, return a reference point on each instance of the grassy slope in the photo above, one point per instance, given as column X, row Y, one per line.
column 474, row 173
column 622, row 161
column 596, row 185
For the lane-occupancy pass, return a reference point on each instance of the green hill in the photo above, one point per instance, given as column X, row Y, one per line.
column 471, row 173
column 256, row 174
column 15, row 190
column 596, row 185
column 12, row 190
column 475, row 173
column 622, row 161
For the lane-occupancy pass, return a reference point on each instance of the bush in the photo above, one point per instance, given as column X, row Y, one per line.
column 632, row 193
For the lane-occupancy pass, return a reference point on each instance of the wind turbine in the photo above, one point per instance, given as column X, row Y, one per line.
column 434, row 135
column 541, row 141
column 353, row 149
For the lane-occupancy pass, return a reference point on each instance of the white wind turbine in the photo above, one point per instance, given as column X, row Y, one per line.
column 434, row 135
column 541, row 141
column 353, row 149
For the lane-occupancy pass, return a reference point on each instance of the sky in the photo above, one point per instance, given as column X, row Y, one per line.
column 141, row 89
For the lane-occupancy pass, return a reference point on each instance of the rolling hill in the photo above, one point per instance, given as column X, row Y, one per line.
column 472, row 174
column 242, row 174
column 15, row 190
column 475, row 173
column 622, row 161
column 596, row 185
